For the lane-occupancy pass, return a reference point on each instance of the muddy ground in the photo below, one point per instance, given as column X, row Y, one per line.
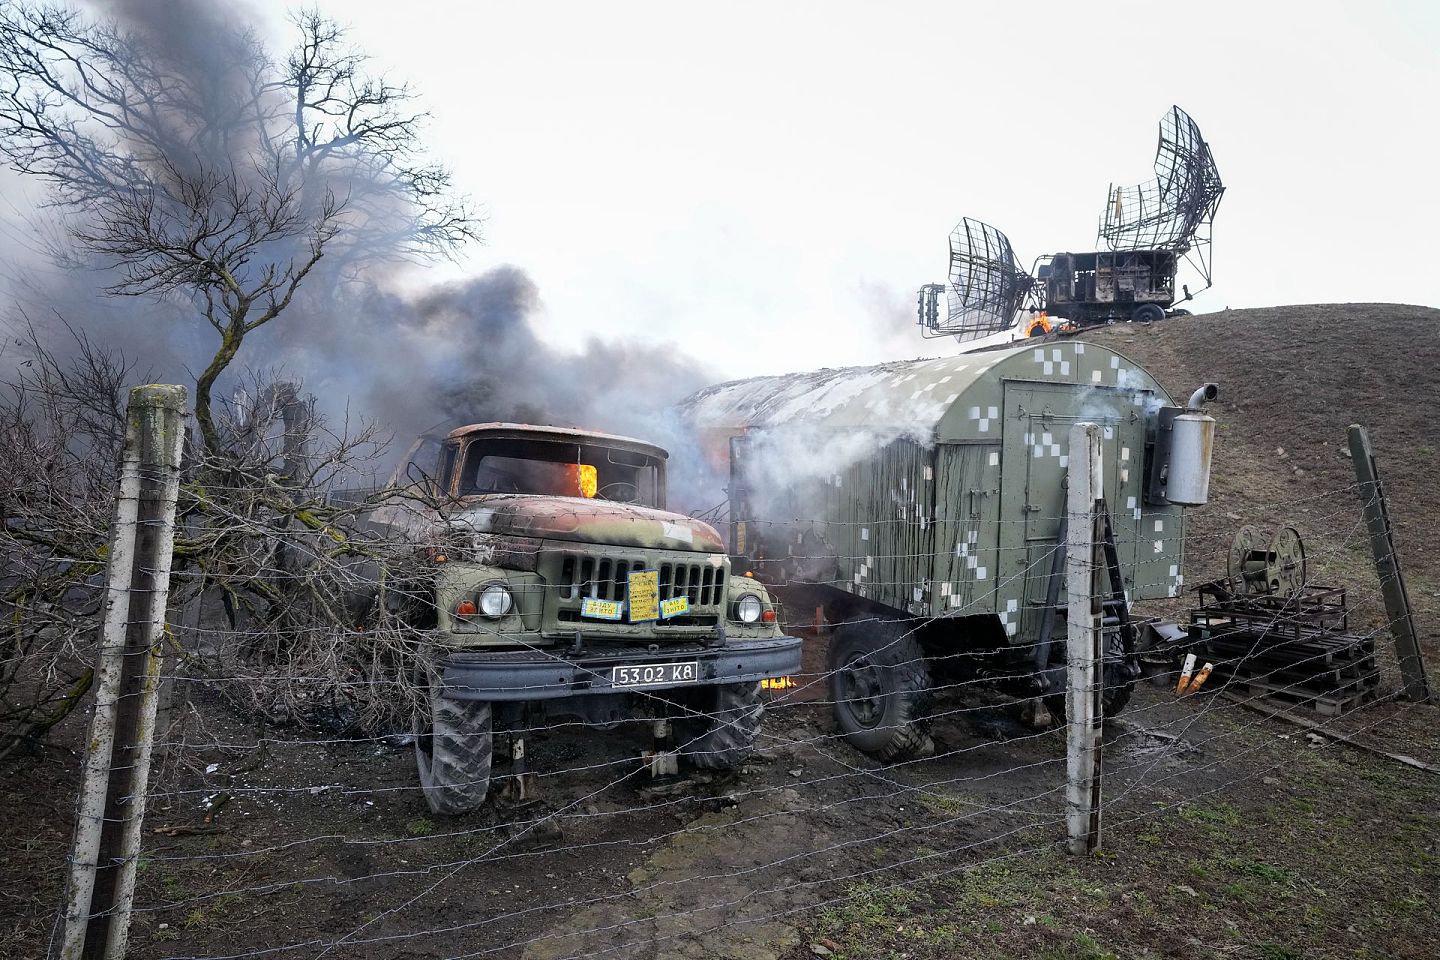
column 1227, row 832
column 1292, row 379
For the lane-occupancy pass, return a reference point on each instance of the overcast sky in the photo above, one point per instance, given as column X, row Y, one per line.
column 768, row 184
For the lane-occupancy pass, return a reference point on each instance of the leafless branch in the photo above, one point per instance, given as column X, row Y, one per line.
column 228, row 184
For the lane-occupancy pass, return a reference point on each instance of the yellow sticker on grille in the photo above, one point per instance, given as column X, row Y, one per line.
column 644, row 596
column 674, row 607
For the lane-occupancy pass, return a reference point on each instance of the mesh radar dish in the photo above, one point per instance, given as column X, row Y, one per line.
column 1174, row 211
column 987, row 287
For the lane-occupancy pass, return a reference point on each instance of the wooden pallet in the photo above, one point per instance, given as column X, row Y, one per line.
column 1329, row 703
column 1332, row 663
column 1292, row 651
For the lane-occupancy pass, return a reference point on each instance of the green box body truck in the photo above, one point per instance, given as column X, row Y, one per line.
column 924, row 501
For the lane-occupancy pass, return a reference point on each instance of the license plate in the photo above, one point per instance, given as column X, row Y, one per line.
column 650, row 674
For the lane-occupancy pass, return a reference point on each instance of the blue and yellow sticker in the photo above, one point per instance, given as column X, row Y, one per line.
column 599, row 609
column 674, row 607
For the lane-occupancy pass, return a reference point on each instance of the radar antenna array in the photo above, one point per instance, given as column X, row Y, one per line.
column 987, row 287
column 1175, row 210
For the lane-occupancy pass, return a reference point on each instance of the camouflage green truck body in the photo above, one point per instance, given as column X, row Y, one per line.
column 947, row 498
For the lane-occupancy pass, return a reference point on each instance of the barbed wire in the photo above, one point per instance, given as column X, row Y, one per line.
column 813, row 742
column 1338, row 535
column 709, row 878
column 808, row 743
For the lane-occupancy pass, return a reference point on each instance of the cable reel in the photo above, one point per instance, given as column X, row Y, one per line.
column 1276, row 569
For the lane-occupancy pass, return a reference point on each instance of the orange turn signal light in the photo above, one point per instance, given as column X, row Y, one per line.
column 465, row 608
column 768, row 616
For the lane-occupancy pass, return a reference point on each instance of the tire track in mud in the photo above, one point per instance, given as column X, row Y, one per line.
column 672, row 910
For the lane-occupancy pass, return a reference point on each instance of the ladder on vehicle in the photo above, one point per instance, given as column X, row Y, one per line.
column 1115, row 607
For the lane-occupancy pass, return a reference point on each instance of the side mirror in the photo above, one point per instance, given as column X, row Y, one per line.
column 416, row 474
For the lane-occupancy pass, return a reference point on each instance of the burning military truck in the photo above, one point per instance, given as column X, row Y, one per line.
column 924, row 501
column 563, row 587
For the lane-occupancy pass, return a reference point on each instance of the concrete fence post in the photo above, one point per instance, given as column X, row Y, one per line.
column 1084, row 656
column 117, row 759
column 1387, row 566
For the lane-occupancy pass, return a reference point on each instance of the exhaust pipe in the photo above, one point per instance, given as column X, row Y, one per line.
column 1202, row 396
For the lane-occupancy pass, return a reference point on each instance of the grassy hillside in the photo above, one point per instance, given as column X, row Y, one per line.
column 1292, row 379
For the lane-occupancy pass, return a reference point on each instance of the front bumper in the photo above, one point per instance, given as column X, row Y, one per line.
column 515, row 675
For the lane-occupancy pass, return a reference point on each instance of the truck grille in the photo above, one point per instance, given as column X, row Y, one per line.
column 702, row 583
column 608, row 579
column 595, row 577
column 575, row 576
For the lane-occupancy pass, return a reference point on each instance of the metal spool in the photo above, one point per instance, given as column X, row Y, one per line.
column 1288, row 572
column 1246, row 565
column 1278, row 569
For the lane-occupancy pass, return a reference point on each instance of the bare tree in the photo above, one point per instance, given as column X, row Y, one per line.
column 197, row 169
column 319, row 610
column 61, row 427
column 303, row 613
column 223, row 177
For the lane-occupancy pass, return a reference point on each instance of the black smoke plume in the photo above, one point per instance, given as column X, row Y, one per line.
column 415, row 362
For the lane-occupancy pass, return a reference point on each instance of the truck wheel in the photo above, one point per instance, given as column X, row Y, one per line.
column 1112, row 702
column 724, row 738
column 1147, row 313
column 1116, row 694
column 453, row 747
column 880, row 685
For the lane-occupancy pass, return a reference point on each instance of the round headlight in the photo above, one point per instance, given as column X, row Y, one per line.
column 748, row 608
column 495, row 600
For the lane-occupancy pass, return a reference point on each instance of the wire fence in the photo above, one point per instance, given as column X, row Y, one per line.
column 307, row 833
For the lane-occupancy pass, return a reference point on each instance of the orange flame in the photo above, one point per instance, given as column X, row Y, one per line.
column 586, row 479
column 1039, row 326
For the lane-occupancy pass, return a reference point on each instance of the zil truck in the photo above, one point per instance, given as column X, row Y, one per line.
column 562, row 587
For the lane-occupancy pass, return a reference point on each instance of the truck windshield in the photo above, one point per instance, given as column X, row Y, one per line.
column 559, row 469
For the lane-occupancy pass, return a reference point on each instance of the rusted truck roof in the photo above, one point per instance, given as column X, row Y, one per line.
column 522, row 431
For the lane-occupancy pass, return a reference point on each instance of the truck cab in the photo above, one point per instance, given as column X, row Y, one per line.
column 562, row 586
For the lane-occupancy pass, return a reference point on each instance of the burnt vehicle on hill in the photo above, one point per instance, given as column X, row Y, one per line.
column 1147, row 232
column 1107, row 285
column 563, row 587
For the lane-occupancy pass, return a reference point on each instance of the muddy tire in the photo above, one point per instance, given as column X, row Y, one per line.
column 1117, row 691
column 453, row 749
column 1114, row 701
column 880, row 686
column 726, row 737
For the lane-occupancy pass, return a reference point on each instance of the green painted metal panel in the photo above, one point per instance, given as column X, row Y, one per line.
column 955, row 508
column 967, row 508
column 882, row 511
column 1037, row 422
